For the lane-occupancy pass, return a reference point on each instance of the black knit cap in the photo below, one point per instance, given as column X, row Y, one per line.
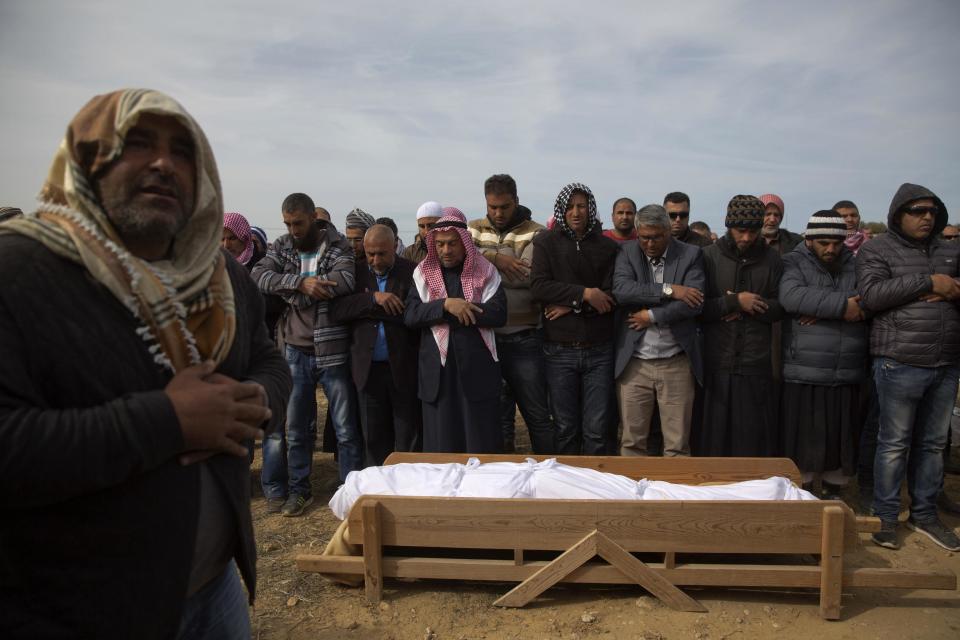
column 744, row 212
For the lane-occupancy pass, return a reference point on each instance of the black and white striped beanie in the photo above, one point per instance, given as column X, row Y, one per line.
column 826, row 225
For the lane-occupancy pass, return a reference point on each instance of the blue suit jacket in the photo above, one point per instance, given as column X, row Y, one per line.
column 634, row 289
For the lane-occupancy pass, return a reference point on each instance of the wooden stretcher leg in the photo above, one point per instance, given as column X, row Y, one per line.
column 372, row 552
column 552, row 573
column 831, row 563
column 657, row 585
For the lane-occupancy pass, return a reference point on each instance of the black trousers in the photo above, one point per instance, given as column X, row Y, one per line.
column 391, row 419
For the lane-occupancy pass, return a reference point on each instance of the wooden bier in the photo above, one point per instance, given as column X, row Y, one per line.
column 393, row 530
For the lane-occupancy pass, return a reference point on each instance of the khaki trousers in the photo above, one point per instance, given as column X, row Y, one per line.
column 669, row 382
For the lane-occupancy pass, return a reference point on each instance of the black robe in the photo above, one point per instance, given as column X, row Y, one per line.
column 461, row 399
column 740, row 414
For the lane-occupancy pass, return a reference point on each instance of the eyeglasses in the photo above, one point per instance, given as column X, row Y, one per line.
column 650, row 238
column 953, row 237
column 682, row 214
column 921, row 211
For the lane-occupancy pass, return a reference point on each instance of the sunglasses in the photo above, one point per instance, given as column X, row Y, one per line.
column 920, row 211
column 953, row 237
column 676, row 216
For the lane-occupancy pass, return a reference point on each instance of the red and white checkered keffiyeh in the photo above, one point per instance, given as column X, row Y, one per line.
column 479, row 278
column 240, row 228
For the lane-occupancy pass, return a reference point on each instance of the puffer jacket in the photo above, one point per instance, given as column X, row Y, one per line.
column 830, row 352
column 515, row 241
column 739, row 346
column 893, row 271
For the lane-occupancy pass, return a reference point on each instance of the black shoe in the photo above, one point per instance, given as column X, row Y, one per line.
column 275, row 504
column 831, row 492
column 295, row 505
column 946, row 504
column 938, row 532
column 887, row 536
column 808, row 487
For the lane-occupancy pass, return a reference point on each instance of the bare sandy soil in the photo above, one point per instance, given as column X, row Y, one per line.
column 304, row 606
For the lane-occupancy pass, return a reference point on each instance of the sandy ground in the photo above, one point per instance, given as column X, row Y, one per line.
column 304, row 606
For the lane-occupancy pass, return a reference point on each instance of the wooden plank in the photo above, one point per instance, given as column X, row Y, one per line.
column 639, row 526
column 518, row 557
column 868, row 524
column 682, row 470
column 653, row 582
column 552, row 573
column 372, row 551
column 698, row 574
column 831, row 563
column 669, row 560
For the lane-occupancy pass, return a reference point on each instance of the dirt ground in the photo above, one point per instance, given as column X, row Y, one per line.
column 301, row 606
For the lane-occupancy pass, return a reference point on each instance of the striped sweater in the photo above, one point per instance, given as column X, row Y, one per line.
column 278, row 273
column 516, row 241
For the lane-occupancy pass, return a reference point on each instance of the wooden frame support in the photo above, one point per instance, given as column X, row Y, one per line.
column 615, row 530
column 831, row 563
column 372, row 552
column 597, row 544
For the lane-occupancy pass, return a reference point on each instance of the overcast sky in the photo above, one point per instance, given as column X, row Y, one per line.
column 386, row 105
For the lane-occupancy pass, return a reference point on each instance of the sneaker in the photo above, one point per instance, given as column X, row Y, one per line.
column 295, row 505
column 887, row 536
column 275, row 504
column 938, row 532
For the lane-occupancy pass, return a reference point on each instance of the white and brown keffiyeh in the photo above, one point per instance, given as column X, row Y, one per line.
column 184, row 303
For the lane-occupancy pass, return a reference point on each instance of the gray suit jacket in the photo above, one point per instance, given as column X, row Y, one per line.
column 634, row 289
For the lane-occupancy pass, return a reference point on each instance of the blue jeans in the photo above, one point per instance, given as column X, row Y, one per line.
column 914, row 409
column 288, row 455
column 219, row 611
column 523, row 368
column 582, row 397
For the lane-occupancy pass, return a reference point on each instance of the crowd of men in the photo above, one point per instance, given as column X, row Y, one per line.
column 149, row 339
column 758, row 343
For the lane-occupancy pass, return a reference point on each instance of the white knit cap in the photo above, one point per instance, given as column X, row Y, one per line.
column 430, row 209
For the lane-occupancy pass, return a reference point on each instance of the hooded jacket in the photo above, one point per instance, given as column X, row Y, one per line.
column 829, row 352
column 564, row 266
column 515, row 241
column 739, row 346
column 893, row 271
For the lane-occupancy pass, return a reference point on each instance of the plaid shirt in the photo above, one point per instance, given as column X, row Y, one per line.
column 278, row 273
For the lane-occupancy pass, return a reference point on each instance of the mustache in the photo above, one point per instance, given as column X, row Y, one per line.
column 160, row 182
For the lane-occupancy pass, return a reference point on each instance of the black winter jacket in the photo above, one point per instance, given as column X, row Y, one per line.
column 831, row 351
column 893, row 271
column 562, row 268
column 739, row 346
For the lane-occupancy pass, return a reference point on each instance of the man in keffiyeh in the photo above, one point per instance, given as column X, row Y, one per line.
column 239, row 241
column 572, row 277
column 457, row 299
column 136, row 371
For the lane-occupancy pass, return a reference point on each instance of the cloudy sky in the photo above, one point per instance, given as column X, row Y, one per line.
column 385, row 105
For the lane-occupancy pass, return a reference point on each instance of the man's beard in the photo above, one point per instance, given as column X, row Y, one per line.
column 137, row 224
column 309, row 242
